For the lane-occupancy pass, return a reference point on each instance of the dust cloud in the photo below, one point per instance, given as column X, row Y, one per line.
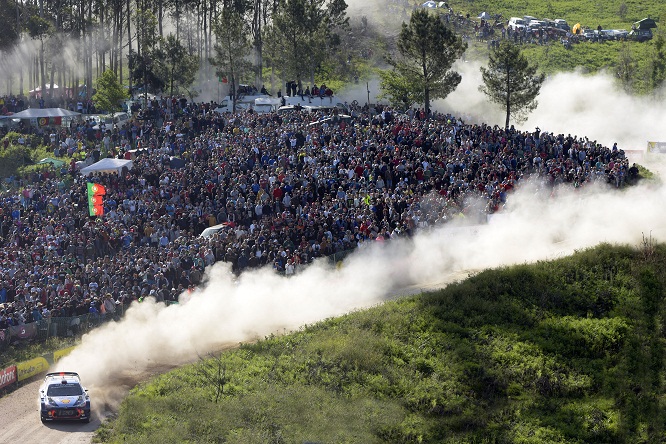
column 570, row 103
column 538, row 225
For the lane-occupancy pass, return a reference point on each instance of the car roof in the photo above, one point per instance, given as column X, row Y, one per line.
column 60, row 377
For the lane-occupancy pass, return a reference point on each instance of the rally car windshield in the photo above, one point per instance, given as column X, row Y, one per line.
column 64, row 390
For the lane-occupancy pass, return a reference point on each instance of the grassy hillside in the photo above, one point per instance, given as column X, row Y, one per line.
column 563, row 351
column 630, row 57
column 609, row 14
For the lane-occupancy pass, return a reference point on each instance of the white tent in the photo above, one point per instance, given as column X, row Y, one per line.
column 107, row 165
column 37, row 113
column 39, row 88
column 429, row 4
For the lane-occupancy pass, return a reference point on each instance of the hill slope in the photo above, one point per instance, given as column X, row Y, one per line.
column 562, row 351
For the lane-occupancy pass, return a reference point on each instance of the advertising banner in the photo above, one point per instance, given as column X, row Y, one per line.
column 656, row 147
column 8, row 376
column 59, row 354
column 45, row 121
column 25, row 331
column 31, row 368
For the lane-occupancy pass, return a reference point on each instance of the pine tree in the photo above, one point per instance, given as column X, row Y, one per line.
column 511, row 81
column 428, row 50
column 109, row 92
column 232, row 48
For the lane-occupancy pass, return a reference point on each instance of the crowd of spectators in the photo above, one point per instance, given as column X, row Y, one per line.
column 287, row 189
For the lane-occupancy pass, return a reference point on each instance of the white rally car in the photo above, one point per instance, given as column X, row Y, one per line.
column 62, row 397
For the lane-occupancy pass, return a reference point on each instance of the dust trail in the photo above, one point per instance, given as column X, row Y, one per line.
column 538, row 225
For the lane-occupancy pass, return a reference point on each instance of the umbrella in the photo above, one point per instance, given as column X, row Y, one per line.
column 576, row 29
column 176, row 163
column 484, row 15
column 55, row 162
column 429, row 4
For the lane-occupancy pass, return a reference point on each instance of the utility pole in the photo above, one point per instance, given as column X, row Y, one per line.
column 367, row 86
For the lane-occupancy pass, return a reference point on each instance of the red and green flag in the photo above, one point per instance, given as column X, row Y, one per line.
column 95, row 200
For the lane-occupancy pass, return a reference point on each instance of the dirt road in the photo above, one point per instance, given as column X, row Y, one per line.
column 19, row 411
column 19, row 421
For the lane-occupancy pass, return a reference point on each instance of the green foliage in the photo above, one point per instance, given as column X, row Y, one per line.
column 24, row 352
column 303, row 35
column 109, row 93
column 14, row 155
column 428, row 50
column 22, row 159
column 401, row 90
column 146, row 64
column 38, row 28
column 564, row 351
column 180, row 67
column 232, row 48
column 510, row 81
column 10, row 34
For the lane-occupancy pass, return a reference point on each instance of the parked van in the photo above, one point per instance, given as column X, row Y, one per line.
column 107, row 121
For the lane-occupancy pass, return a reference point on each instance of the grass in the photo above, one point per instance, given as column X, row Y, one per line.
column 563, row 351
column 588, row 13
column 26, row 351
column 586, row 57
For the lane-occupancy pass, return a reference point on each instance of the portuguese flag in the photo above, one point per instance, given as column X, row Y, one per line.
column 95, row 201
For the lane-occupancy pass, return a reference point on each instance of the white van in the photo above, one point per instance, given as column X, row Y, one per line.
column 517, row 23
column 107, row 121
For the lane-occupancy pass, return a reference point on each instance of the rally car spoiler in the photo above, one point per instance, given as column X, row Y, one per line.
column 62, row 374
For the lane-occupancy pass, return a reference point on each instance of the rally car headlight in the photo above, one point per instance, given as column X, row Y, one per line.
column 80, row 401
column 50, row 401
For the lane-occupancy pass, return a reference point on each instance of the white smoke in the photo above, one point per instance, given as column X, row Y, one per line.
column 537, row 226
column 570, row 103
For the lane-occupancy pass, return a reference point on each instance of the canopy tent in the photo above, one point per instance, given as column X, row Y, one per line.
column 484, row 15
column 646, row 23
column 7, row 121
column 38, row 90
column 176, row 163
column 55, row 162
column 36, row 113
column 107, row 165
column 48, row 86
column 47, row 116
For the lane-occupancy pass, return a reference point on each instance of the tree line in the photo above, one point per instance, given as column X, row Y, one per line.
column 160, row 46
column 421, row 69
